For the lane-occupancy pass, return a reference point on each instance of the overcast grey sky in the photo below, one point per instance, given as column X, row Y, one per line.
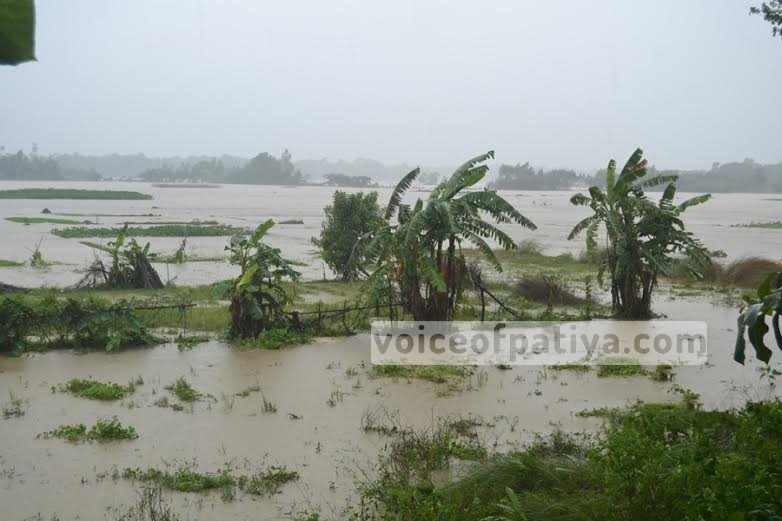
column 558, row 83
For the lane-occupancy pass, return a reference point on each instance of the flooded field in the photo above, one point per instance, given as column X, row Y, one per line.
column 320, row 439
column 248, row 205
column 305, row 407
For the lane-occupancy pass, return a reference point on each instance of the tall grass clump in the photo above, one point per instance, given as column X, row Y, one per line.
column 654, row 462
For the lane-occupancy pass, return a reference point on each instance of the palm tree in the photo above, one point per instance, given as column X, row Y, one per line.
column 644, row 239
column 419, row 254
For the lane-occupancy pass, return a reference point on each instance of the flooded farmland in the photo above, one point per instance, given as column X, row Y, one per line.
column 306, row 407
column 248, row 205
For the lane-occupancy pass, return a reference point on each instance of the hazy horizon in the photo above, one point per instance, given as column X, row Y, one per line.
column 556, row 84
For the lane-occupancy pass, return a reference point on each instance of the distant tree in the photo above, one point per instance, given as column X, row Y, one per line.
column 358, row 181
column 266, row 169
column 524, row 177
column 348, row 217
column 429, row 178
column 21, row 166
column 772, row 13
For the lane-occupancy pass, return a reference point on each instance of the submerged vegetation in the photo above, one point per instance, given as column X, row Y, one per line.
column 70, row 193
column 186, row 479
column 182, row 389
column 103, row 430
column 41, row 220
column 94, row 390
column 775, row 225
column 163, row 230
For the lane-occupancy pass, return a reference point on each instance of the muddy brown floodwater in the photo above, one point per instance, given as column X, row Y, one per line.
column 324, row 444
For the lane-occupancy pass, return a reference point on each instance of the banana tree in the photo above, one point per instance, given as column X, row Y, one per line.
column 258, row 296
column 417, row 251
column 644, row 239
column 752, row 320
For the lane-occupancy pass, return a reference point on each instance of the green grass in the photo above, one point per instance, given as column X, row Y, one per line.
column 430, row 373
column 103, row 430
column 14, row 408
column 165, row 230
column 214, row 319
column 268, row 482
column 41, row 220
column 94, row 390
column 654, row 462
column 275, row 339
column 185, row 479
column 619, row 366
column 580, row 368
column 662, row 373
column 9, row 263
column 775, row 225
column 70, row 193
column 182, row 389
column 182, row 480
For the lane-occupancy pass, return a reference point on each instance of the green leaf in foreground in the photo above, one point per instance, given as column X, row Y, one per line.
column 17, row 31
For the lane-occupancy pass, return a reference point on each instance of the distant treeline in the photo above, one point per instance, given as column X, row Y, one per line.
column 20, row 166
column 524, row 177
column 745, row 176
column 262, row 169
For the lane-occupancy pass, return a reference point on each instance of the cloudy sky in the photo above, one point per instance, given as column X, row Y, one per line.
column 558, row 83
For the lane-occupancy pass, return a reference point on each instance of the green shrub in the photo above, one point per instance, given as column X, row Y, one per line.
column 348, row 217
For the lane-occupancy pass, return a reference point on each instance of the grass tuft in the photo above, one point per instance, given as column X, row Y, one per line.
column 182, row 389
column 94, row 390
column 103, row 430
column 619, row 366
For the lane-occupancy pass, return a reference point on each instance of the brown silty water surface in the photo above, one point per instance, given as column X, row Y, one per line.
column 324, row 443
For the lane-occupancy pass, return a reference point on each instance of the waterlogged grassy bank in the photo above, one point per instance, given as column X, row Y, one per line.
column 776, row 225
column 70, row 193
column 41, row 220
column 165, row 230
column 655, row 462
